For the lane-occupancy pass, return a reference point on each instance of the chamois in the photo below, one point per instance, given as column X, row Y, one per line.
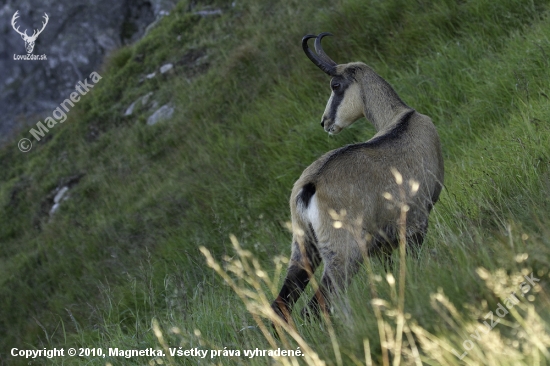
column 339, row 206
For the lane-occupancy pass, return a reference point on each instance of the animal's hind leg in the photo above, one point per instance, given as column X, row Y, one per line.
column 303, row 262
column 415, row 240
column 341, row 264
column 319, row 301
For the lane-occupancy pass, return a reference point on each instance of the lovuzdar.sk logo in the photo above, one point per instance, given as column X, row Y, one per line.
column 29, row 40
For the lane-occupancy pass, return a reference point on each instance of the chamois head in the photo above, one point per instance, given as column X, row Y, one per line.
column 345, row 104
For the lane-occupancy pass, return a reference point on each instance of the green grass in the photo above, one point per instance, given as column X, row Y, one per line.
column 123, row 249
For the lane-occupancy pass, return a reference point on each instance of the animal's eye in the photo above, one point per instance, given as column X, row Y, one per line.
column 335, row 86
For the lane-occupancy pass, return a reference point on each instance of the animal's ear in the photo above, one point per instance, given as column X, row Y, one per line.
column 23, row 36
column 351, row 72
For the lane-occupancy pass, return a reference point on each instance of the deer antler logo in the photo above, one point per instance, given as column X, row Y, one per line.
column 29, row 40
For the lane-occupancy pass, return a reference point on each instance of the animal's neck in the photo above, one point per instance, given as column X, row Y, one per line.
column 382, row 105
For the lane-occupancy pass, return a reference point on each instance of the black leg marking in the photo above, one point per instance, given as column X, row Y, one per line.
column 298, row 276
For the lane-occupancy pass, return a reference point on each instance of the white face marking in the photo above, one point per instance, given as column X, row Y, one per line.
column 349, row 110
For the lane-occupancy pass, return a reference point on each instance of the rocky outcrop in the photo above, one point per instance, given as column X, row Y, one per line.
column 164, row 112
column 75, row 40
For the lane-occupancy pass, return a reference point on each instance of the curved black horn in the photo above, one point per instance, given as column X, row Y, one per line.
column 320, row 51
column 320, row 59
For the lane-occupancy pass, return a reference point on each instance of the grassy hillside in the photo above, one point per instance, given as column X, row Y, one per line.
column 119, row 265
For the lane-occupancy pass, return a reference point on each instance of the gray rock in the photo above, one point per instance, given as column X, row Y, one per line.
column 130, row 109
column 208, row 13
column 142, row 101
column 54, row 209
column 166, row 68
column 59, row 196
column 164, row 112
column 145, row 98
column 78, row 35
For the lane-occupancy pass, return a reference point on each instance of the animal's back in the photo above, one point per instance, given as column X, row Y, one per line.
column 411, row 148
